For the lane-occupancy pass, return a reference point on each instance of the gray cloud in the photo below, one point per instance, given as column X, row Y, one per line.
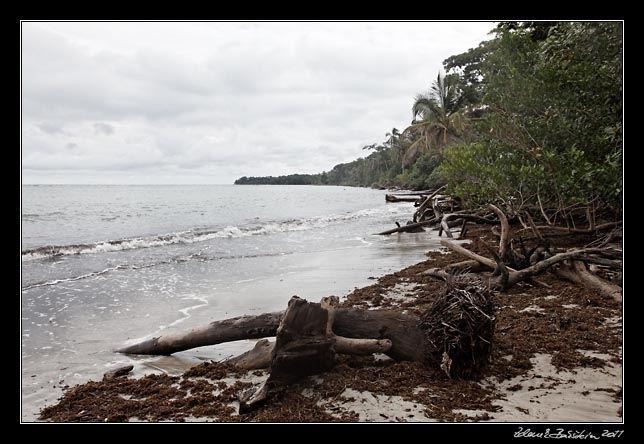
column 209, row 102
column 103, row 128
column 50, row 128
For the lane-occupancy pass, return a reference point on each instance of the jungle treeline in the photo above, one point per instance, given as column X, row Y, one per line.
column 531, row 117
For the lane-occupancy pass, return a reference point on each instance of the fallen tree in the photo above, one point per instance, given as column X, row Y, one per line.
column 305, row 345
column 539, row 258
column 393, row 198
column 505, row 277
column 454, row 334
column 578, row 274
column 399, row 328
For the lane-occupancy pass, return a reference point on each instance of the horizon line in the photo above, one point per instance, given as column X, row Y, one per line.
column 133, row 184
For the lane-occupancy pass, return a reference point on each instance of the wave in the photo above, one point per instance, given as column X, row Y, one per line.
column 198, row 256
column 71, row 279
column 201, row 235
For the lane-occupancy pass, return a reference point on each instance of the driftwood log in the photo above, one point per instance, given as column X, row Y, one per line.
column 399, row 328
column 306, row 345
column 419, row 214
column 538, row 260
column 393, row 198
column 409, row 228
column 454, row 334
column 395, row 334
column 578, row 273
column 262, row 354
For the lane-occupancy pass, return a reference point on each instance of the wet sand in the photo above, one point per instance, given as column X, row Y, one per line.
column 556, row 358
column 309, row 275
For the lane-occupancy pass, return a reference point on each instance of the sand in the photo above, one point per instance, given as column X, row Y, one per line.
column 557, row 357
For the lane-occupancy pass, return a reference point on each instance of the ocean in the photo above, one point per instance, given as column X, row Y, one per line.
column 105, row 265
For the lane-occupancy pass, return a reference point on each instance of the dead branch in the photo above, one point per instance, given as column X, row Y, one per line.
column 469, row 254
column 409, row 227
column 217, row 332
column 505, row 231
column 513, row 277
column 538, row 268
column 605, row 288
column 436, row 273
column 578, row 230
column 454, row 218
column 420, row 212
column 469, row 265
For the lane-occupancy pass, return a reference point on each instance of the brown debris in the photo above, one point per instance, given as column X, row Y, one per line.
column 559, row 321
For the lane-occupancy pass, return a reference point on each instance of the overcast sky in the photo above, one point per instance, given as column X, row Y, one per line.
column 210, row 102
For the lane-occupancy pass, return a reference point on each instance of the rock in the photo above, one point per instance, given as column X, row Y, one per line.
column 119, row 371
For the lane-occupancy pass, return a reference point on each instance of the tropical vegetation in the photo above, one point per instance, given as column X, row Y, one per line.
column 532, row 117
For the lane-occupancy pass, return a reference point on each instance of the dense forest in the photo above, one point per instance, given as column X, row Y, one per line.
column 532, row 116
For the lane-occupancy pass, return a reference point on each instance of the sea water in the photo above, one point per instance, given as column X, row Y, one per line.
column 107, row 265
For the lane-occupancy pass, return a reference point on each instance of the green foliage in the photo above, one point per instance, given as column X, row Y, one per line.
column 468, row 69
column 291, row 179
column 440, row 118
column 543, row 104
column 552, row 131
column 485, row 172
column 423, row 174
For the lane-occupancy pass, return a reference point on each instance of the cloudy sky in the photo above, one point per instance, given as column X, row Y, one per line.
column 210, row 102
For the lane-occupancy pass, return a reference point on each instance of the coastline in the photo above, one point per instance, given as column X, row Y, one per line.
column 556, row 358
column 263, row 284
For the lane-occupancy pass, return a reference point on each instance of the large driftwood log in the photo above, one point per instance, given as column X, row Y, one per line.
column 400, row 329
column 217, row 332
column 306, row 345
column 455, row 334
column 408, row 341
column 392, row 198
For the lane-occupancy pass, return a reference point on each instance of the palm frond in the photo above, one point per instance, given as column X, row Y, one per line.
column 425, row 107
column 412, row 151
column 415, row 127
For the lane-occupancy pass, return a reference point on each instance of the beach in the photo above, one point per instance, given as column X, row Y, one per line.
column 133, row 262
column 556, row 358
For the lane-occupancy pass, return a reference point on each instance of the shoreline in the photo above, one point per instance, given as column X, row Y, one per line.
column 260, row 284
column 556, row 358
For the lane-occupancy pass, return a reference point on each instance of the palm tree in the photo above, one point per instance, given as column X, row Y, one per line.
column 440, row 117
column 396, row 147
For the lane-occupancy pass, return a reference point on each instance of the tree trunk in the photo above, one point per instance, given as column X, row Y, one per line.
column 420, row 212
column 306, row 345
column 582, row 276
column 454, row 334
column 505, row 231
column 391, row 198
column 400, row 329
column 217, row 332
column 413, row 227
